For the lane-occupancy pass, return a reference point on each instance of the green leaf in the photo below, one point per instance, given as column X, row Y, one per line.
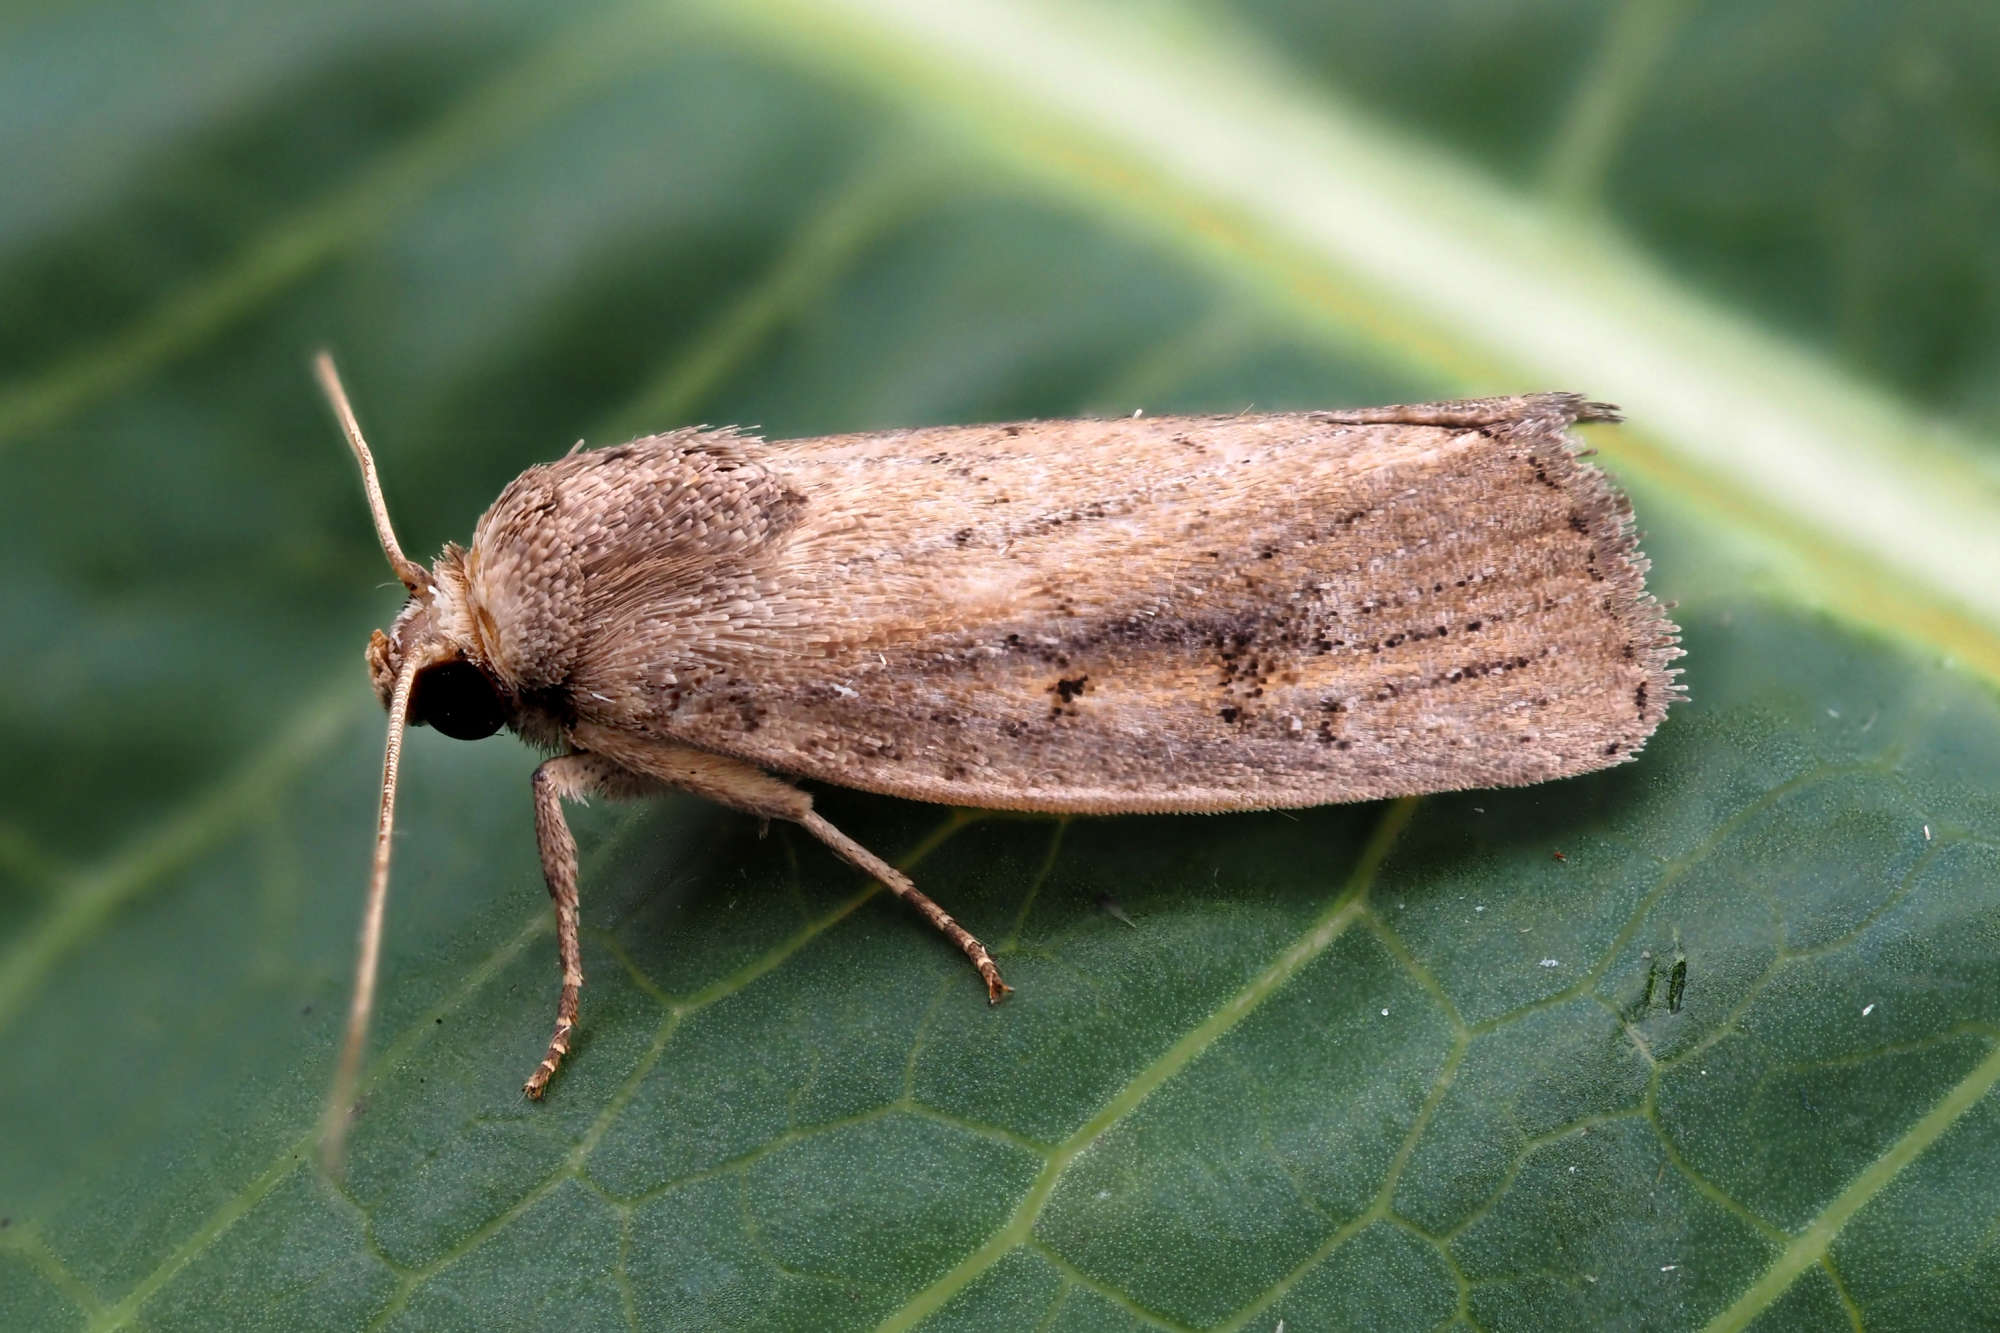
column 1709, row 1039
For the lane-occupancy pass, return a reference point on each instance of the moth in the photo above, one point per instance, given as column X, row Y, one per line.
column 1138, row 614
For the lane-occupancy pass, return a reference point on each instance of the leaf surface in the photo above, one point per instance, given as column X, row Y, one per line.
column 1709, row 1039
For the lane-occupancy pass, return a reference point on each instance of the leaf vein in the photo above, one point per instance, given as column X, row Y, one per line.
column 488, row 118
column 1347, row 907
column 1811, row 1244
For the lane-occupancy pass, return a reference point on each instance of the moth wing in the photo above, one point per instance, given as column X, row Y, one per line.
column 1143, row 614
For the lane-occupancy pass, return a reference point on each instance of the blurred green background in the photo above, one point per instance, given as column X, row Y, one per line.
column 1385, row 1066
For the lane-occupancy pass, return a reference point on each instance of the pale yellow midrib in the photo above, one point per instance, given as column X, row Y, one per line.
column 1502, row 278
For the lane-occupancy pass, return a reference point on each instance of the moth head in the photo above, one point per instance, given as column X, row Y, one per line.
column 451, row 691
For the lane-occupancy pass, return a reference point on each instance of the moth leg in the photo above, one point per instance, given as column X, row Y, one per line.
column 899, row 884
column 743, row 786
column 571, row 777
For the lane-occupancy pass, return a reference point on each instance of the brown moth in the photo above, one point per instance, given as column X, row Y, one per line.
column 1142, row 614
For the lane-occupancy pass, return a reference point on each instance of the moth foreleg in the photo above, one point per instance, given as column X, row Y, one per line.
column 743, row 786
column 568, row 777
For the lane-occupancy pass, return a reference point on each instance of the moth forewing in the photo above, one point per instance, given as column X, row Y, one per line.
column 1166, row 613
column 1171, row 613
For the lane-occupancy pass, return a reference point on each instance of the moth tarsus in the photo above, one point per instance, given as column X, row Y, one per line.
column 1136, row 614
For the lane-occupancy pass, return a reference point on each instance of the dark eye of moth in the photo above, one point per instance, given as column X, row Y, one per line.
column 457, row 699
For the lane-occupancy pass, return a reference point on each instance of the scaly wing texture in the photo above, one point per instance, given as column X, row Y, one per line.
column 623, row 558
column 1142, row 614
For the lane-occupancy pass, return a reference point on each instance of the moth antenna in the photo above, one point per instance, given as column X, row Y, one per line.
column 340, row 1102
column 411, row 573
